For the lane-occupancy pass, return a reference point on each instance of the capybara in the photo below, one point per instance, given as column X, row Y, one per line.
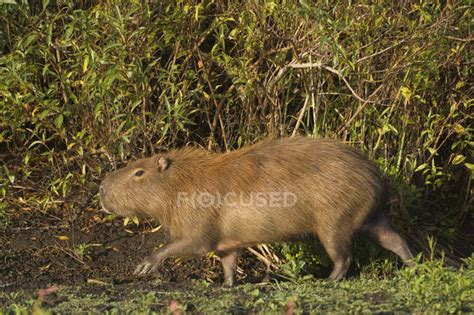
column 272, row 191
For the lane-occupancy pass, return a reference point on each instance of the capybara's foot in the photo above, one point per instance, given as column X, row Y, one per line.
column 149, row 265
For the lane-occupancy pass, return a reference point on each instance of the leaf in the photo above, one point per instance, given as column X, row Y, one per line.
column 35, row 143
column 458, row 159
column 43, row 114
column 96, row 281
column 406, row 93
column 49, row 34
column 11, row 178
column 432, row 151
column 156, row 229
column 199, row 8
column 459, row 85
column 68, row 32
column 45, row 4
column 27, row 158
column 459, row 129
column 62, row 237
column 305, row 4
column 270, row 7
column 470, row 166
column 58, row 121
column 70, row 145
column 85, row 64
column 421, row 167
column 7, row 2
column 135, row 220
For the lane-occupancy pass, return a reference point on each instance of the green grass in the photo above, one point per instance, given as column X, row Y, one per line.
column 427, row 288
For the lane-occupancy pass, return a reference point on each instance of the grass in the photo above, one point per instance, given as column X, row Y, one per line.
column 428, row 288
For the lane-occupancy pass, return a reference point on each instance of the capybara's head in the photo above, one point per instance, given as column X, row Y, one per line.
column 135, row 189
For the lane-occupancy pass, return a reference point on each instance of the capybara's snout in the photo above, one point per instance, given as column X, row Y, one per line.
column 106, row 195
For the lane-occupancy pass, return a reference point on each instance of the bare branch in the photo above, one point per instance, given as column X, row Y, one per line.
column 321, row 66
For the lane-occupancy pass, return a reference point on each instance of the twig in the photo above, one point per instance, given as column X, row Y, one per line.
column 358, row 111
column 321, row 66
column 469, row 39
column 266, row 251
column 379, row 52
column 300, row 117
column 44, row 228
column 71, row 254
column 276, row 78
column 261, row 257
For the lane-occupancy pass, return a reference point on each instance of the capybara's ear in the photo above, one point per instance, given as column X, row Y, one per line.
column 163, row 163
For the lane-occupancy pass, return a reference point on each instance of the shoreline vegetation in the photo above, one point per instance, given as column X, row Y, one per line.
column 87, row 85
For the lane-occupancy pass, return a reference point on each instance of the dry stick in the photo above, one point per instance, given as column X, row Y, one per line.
column 270, row 256
column 300, row 117
column 262, row 258
column 282, row 71
column 357, row 112
column 332, row 70
column 268, row 252
column 221, row 123
column 314, row 99
column 319, row 65
column 70, row 252
column 468, row 39
column 277, row 78
column 270, row 86
column 380, row 52
column 173, row 61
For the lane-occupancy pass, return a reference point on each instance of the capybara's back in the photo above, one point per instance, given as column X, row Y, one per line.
column 275, row 190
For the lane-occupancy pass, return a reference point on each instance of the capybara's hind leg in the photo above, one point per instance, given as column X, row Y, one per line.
column 382, row 232
column 229, row 264
column 341, row 265
column 339, row 250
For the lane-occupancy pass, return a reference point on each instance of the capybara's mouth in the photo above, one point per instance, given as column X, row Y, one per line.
column 103, row 208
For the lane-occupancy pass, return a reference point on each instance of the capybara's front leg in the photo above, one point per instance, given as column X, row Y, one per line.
column 178, row 248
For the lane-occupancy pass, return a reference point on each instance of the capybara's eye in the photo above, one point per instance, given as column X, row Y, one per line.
column 138, row 173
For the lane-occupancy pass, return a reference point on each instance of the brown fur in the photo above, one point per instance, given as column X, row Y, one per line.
column 338, row 193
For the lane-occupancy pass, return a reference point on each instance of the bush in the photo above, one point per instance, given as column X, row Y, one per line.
column 86, row 85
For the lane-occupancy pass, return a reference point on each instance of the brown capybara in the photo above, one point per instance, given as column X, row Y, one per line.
column 272, row 191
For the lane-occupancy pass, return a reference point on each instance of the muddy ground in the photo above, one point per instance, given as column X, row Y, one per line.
column 39, row 250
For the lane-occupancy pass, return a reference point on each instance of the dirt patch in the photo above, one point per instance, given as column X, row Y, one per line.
column 41, row 249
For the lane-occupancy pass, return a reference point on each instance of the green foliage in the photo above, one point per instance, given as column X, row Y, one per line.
column 3, row 214
column 428, row 288
column 86, row 85
column 302, row 260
